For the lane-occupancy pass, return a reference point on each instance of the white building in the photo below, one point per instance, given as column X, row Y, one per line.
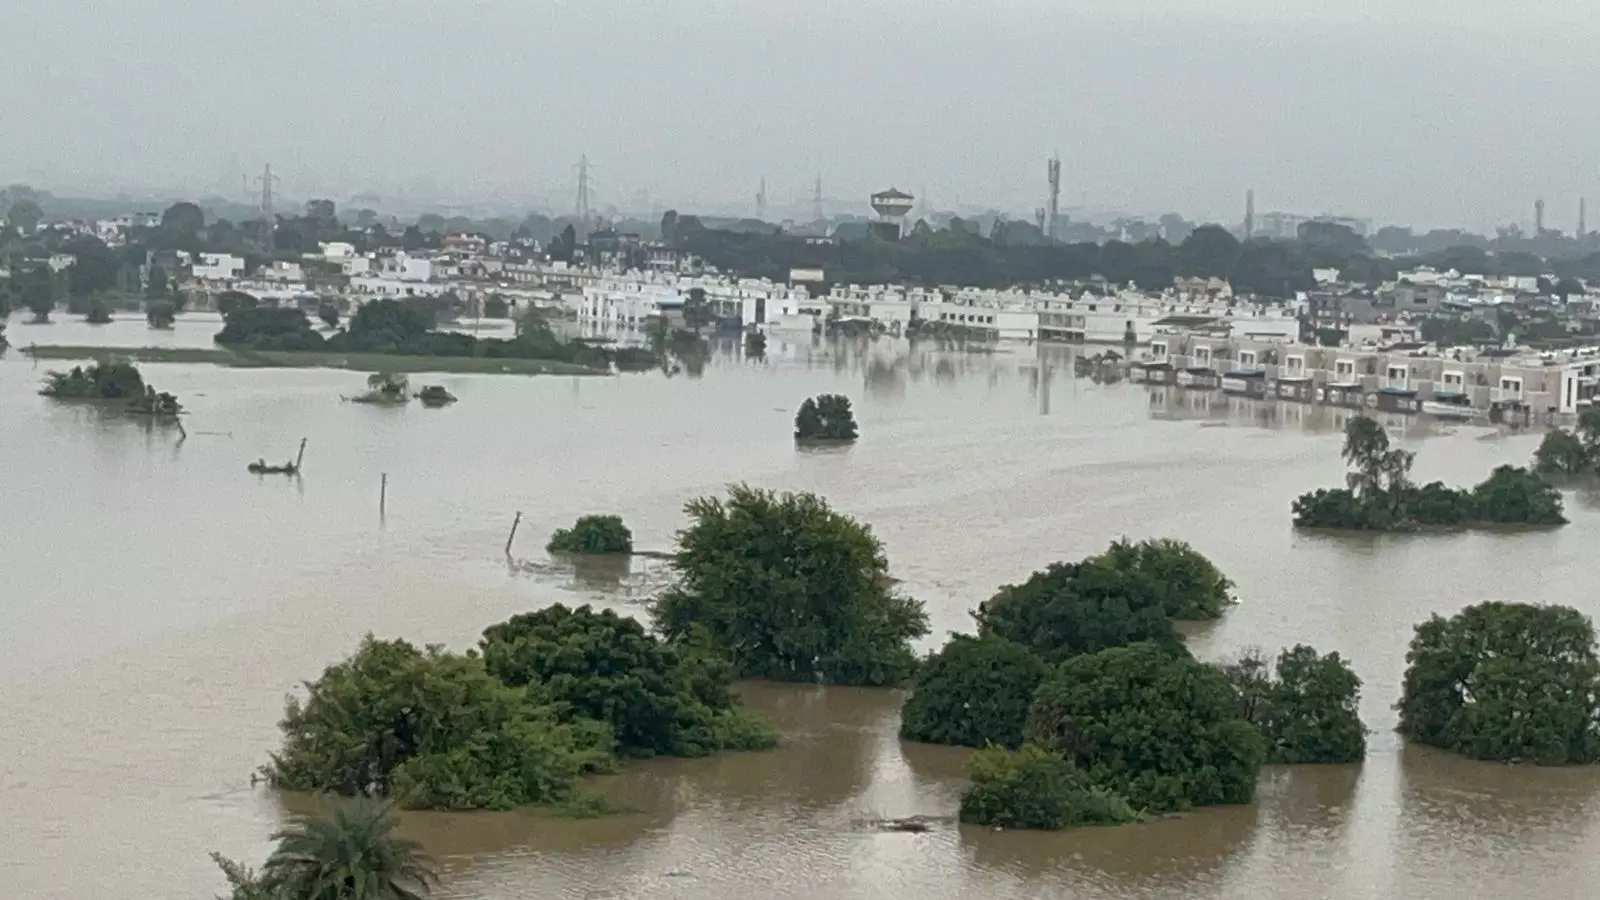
column 218, row 267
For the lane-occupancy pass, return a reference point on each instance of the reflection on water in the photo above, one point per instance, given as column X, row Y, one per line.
column 160, row 602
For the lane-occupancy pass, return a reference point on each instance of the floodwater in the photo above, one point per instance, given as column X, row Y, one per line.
column 159, row 602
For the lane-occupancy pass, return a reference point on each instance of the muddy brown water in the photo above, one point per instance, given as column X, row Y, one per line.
column 158, row 602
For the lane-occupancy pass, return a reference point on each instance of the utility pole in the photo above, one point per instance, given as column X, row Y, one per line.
column 1053, row 171
column 583, row 190
column 268, row 221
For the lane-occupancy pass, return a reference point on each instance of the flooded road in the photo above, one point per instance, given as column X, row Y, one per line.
column 159, row 602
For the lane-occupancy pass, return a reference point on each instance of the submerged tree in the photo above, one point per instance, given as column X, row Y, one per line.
column 1164, row 731
column 351, row 855
column 826, row 417
column 789, row 590
column 592, row 535
column 1035, row 788
column 99, row 313
column 329, row 314
column 1309, row 712
column 431, row 730
column 602, row 666
column 106, row 380
column 1505, row 681
column 1085, row 607
column 975, row 692
column 160, row 313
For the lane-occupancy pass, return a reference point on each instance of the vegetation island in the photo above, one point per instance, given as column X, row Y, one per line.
column 825, row 419
column 1381, row 496
column 110, row 382
column 592, row 535
column 1573, row 452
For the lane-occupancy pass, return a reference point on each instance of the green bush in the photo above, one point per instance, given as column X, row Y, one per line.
column 592, row 535
column 1034, row 788
column 975, row 692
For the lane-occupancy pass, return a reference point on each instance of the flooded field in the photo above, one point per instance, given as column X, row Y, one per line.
column 160, row 602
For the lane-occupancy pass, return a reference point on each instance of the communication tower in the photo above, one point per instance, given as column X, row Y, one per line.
column 1053, row 172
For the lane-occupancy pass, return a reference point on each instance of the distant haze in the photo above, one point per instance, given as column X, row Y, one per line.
column 1428, row 112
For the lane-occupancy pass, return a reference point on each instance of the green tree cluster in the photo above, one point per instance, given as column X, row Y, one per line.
column 1381, row 497
column 825, row 417
column 787, row 589
column 1306, row 705
column 592, row 535
column 656, row 699
column 106, row 380
column 546, row 698
column 160, row 313
column 1507, row 682
column 407, row 328
column 1162, row 730
column 1128, row 594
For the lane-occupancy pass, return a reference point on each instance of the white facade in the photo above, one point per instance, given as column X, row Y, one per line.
column 218, row 267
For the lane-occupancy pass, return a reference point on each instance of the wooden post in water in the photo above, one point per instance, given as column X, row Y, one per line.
column 513, row 535
column 182, row 434
column 383, row 493
column 301, row 455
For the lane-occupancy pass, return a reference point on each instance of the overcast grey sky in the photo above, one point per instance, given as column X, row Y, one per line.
column 1433, row 112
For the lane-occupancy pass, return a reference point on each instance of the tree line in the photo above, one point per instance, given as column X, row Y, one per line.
column 1021, row 256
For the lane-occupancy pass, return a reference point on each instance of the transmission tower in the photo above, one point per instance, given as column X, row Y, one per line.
column 583, row 189
column 761, row 201
column 816, row 201
column 1053, row 172
column 268, row 220
column 1582, row 225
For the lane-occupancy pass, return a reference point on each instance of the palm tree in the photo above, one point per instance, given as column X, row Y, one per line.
column 351, row 856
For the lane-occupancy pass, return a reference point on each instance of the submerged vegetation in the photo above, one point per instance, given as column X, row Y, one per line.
column 406, row 328
column 592, row 535
column 1306, row 707
column 551, row 696
column 825, row 417
column 1576, row 452
column 161, row 313
column 351, row 854
column 111, row 381
column 1381, row 496
column 1509, row 682
column 787, row 589
column 1035, row 788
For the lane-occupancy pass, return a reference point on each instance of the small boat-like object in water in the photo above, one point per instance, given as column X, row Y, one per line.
column 262, row 467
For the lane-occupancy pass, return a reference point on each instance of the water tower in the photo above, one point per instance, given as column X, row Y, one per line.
column 891, row 206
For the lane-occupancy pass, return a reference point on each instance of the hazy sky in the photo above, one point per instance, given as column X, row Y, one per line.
column 1433, row 112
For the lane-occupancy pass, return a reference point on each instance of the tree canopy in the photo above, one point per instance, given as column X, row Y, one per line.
column 1164, row 731
column 592, row 535
column 1505, row 681
column 351, row 854
column 601, row 666
column 974, row 692
column 1035, row 788
column 825, row 417
column 789, row 590
column 431, row 729
column 1307, row 710
column 1085, row 607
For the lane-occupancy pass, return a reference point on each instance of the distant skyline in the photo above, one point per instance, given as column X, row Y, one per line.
column 1432, row 114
